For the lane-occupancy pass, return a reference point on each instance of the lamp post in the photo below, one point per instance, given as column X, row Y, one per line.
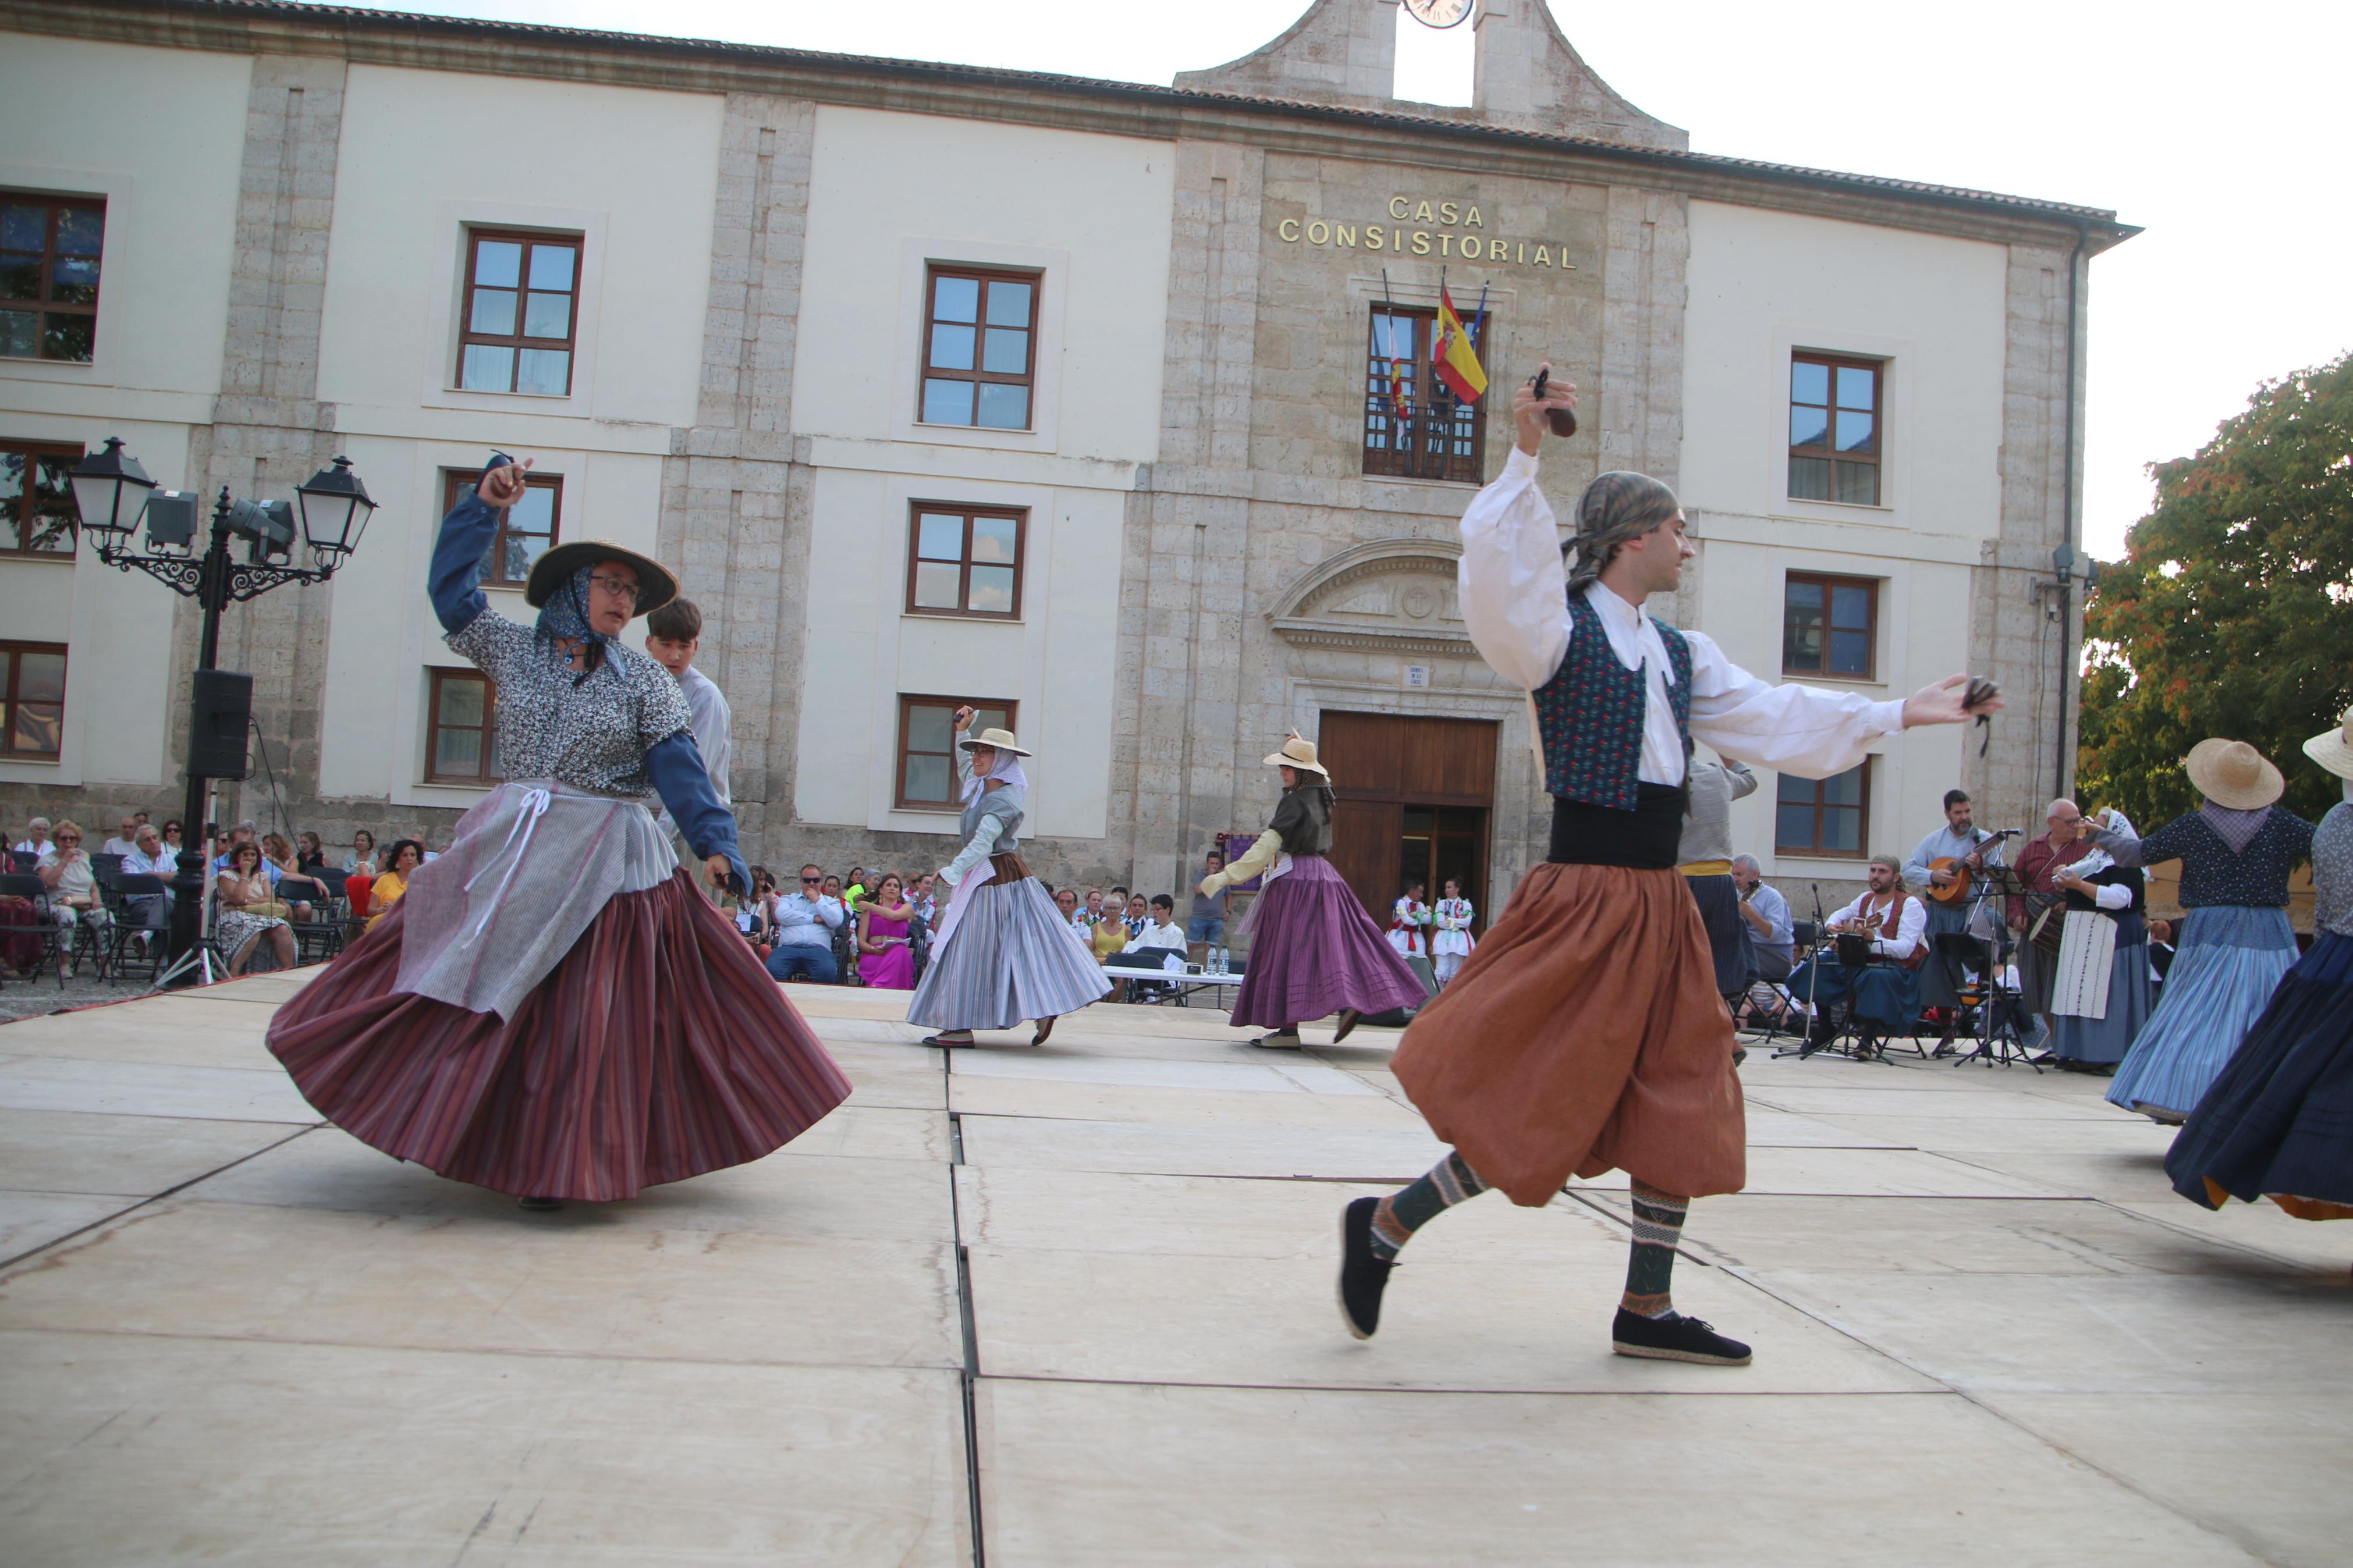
column 112, row 491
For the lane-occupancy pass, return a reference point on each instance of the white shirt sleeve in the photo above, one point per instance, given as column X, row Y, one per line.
column 1513, row 585
column 1910, row 931
column 2110, row 897
column 1851, row 911
column 1801, row 730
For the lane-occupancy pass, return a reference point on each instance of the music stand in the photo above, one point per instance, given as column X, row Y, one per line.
column 1999, row 1007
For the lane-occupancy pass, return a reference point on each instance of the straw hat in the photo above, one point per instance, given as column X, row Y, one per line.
column 1001, row 738
column 1298, row 754
column 2333, row 749
column 656, row 586
column 2233, row 774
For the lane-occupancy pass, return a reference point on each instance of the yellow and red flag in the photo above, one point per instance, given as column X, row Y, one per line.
column 1453, row 358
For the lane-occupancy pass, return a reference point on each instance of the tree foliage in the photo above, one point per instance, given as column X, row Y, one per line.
column 2232, row 612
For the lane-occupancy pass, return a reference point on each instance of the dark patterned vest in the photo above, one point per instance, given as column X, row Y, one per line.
column 1590, row 714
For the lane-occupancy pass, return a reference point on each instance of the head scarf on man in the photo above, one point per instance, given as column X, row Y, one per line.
column 1615, row 508
column 565, row 618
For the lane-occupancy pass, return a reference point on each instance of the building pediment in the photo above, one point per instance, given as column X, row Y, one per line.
column 1391, row 595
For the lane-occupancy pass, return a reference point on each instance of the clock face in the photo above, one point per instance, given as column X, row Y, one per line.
column 1439, row 13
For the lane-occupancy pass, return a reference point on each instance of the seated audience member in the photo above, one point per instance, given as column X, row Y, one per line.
column 242, row 833
column 300, row 893
column 752, row 911
column 886, row 955
column 72, row 883
column 1768, row 914
column 171, row 840
column 311, row 857
column 1066, row 900
column 401, row 859
column 361, row 862
column 126, row 839
column 2160, row 950
column 926, row 899
column 802, row 939
column 1094, row 912
column 1138, row 916
column 148, row 858
column 249, row 910
column 36, row 838
column 1162, row 936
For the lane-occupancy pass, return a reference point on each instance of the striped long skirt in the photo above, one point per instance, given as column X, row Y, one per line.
column 655, row 1050
column 1011, row 956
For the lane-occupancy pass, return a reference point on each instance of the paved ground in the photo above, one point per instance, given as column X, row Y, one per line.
column 1985, row 1330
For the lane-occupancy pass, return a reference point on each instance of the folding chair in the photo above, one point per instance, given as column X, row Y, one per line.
column 27, row 921
column 130, row 924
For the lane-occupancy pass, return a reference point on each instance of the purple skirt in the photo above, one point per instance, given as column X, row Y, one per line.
column 1313, row 951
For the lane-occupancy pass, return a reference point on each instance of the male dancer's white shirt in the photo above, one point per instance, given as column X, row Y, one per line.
column 710, row 722
column 1911, row 927
column 1514, row 590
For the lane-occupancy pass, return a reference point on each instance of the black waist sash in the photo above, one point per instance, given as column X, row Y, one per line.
column 1645, row 838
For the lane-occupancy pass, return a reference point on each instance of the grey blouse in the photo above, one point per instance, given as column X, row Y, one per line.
column 592, row 735
column 2332, row 872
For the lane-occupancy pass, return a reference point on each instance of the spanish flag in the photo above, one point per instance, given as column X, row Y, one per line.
column 1453, row 357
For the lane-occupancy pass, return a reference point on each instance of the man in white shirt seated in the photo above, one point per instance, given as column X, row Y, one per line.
column 1162, row 938
column 803, row 927
column 1884, row 992
column 126, row 839
column 148, row 858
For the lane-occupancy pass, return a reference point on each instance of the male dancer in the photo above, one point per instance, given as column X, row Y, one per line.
column 1585, row 1033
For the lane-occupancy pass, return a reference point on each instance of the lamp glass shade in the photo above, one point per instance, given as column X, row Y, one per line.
column 335, row 510
column 110, row 490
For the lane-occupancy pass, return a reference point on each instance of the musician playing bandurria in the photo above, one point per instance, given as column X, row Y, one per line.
column 1886, row 992
column 1585, row 1034
column 1958, row 840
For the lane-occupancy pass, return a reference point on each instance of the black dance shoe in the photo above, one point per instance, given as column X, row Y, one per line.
column 1348, row 1017
column 1677, row 1338
column 540, row 1205
column 1363, row 1274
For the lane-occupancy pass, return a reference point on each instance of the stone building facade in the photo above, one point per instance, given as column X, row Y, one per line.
column 1209, row 562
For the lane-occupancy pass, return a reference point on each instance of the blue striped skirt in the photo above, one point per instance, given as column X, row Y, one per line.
column 2229, row 961
column 1011, row 956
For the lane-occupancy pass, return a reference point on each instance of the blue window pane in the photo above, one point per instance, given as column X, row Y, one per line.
column 24, row 226
column 1857, row 387
column 20, row 334
column 1008, row 353
column 1844, row 789
column 1794, row 823
column 1809, row 426
column 80, row 231
column 548, row 316
column 551, row 266
column 1809, row 478
column 952, row 348
column 992, row 590
column 929, row 729
column 939, row 536
column 1004, row 407
column 1009, row 305
column 1851, row 606
column 947, row 402
column 990, row 719
column 486, row 369
column 937, row 585
column 927, row 778
column 498, row 263
column 1842, row 832
column 1810, row 383
column 493, row 315
column 1857, row 432
column 1849, row 653
column 955, row 299
column 546, row 372
column 993, row 539
column 73, row 280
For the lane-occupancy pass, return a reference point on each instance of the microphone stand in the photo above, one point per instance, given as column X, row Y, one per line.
column 1813, row 978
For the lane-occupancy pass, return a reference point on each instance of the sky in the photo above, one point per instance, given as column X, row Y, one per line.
column 2209, row 126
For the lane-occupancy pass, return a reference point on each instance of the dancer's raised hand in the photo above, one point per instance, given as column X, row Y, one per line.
column 1947, row 702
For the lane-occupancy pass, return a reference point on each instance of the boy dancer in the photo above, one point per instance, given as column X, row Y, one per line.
column 674, row 635
column 1585, row 1033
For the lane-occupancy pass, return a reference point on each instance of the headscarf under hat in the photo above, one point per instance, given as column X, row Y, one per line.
column 1008, row 771
column 1615, row 508
column 565, row 618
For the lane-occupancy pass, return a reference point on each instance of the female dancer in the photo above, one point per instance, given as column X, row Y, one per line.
column 2096, row 1024
column 552, row 1010
column 1409, row 923
column 2274, row 1124
column 1002, row 953
column 885, row 960
column 1312, row 948
column 2236, row 851
column 1451, row 942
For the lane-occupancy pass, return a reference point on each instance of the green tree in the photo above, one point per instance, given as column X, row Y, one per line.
column 2231, row 613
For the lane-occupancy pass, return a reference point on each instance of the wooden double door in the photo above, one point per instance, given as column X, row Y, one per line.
column 1412, row 798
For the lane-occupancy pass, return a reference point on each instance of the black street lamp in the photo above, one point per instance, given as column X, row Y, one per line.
column 112, row 491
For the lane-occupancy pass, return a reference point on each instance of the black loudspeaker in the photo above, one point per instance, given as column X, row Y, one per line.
column 217, row 722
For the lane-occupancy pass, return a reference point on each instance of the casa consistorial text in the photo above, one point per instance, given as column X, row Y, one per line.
column 1440, row 240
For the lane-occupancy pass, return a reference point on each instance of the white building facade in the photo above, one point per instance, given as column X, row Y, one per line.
column 1105, row 407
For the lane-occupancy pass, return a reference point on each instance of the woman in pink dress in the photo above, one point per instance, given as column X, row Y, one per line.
column 885, row 959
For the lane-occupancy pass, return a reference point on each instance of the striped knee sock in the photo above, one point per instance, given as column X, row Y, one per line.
column 1658, row 1226
column 1402, row 1213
